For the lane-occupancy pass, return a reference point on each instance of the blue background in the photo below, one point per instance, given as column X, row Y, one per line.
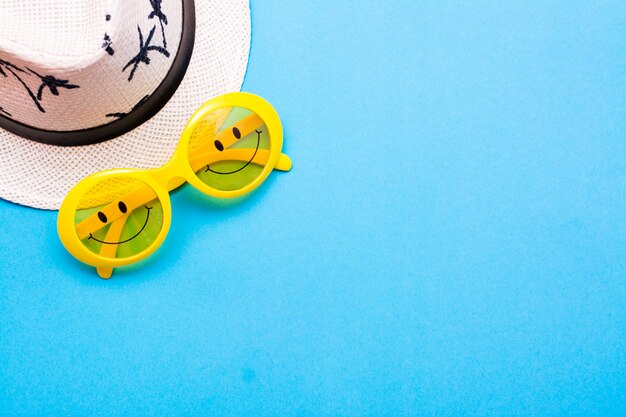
column 451, row 240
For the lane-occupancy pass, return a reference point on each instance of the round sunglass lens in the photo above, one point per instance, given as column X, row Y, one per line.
column 229, row 148
column 118, row 217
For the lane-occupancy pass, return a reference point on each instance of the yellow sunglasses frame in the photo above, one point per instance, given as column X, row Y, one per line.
column 170, row 176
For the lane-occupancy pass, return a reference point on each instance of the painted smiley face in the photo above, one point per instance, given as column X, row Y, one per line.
column 238, row 143
column 119, row 229
column 220, row 147
column 123, row 209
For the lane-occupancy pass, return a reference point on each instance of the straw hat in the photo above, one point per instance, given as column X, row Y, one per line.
column 88, row 85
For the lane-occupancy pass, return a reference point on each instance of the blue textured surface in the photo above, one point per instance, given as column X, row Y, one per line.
column 452, row 239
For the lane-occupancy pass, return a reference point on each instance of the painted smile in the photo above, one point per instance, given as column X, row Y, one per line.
column 127, row 240
column 258, row 143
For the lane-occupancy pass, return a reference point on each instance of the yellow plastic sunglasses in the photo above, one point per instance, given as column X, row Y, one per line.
column 119, row 217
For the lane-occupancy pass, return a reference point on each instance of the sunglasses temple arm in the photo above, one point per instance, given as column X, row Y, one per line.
column 261, row 157
column 109, row 251
column 284, row 163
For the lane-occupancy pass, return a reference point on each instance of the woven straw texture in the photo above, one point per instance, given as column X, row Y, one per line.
column 108, row 67
column 40, row 175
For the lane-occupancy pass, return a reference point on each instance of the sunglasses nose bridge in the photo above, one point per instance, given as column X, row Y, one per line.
column 166, row 175
column 175, row 182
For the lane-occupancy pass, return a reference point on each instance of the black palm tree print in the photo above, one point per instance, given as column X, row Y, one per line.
column 135, row 107
column 158, row 13
column 53, row 84
column 144, row 49
column 7, row 67
column 106, row 44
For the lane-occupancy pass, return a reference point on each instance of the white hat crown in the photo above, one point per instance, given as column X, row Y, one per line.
column 64, row 82
column 100, row 71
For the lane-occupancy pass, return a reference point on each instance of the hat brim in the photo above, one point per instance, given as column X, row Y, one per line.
column 39, row 175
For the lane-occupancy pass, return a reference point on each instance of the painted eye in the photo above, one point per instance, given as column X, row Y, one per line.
column 237, row 133
column 102, row 217
column 122, row 207
column 219, row 146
